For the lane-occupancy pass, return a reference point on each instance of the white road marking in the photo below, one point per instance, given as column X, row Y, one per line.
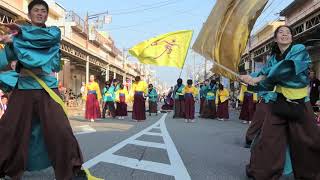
column 85, row 129
column 157, row 127
column 148, row 144
column 176, row 167
column 153, row 134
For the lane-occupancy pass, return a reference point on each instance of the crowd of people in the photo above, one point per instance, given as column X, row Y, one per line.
column 214, row 100
column 181, row 99
column 115, row 97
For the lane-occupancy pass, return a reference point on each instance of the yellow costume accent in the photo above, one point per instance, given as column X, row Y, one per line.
column 291, row 93
column 191, row 89
column 122, row 91
column 222, row 95
column 93, row 86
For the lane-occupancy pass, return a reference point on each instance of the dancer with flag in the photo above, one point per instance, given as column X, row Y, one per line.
column 169, row 49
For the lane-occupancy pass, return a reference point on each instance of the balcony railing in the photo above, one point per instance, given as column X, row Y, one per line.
column 80, row 23
column 80, row 26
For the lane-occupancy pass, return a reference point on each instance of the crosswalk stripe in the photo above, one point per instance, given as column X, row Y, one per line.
column 176, row 167
column 152, row 134
column 148, row 144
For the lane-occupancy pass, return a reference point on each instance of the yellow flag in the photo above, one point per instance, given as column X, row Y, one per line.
column 224, row 36
column 165, row 50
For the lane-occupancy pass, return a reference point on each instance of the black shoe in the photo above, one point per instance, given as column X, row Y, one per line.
column 81, row 175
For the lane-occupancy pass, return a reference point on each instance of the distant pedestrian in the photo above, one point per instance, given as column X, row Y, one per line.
column 138, row 90
column 153, row 98
column 179, row 100
column 222, row 101
column 122, row 97
column 190, row 93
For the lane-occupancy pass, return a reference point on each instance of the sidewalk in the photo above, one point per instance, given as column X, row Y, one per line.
column 80, row 110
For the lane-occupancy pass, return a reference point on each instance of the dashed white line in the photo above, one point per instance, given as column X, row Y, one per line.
column 85, row 129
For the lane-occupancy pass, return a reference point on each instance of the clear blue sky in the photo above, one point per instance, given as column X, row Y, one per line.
column 134, row 21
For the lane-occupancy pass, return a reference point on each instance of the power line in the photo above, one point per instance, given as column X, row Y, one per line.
column 143, row 9
column 150, row 21
column 142, row 6
column 263, row 20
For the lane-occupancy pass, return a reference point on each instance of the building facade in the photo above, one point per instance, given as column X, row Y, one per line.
column 84, row 50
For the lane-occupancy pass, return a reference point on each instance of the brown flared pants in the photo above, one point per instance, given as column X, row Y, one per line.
column 15, row 129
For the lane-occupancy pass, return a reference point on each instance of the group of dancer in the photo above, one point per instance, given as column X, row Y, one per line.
column 283, row 136
column 213, row 100
column 115, row 97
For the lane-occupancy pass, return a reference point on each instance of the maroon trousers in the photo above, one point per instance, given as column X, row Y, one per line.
column 139, row 107
column 189, row 107
column 92, row 107
column 248, row 107
column 223, row 110
column 121, row 109
column 179, row 108
column 15, row 129
column 268, row 153
column 257, row 121
column 202, row 101
column 209, row 109
column 153, row 107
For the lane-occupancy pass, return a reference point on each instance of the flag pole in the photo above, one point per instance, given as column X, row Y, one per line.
column 181, row 71
column 230, row 71
column 184, row 62
column 227, row 69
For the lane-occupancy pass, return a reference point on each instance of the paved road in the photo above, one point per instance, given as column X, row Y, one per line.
column 161, row 148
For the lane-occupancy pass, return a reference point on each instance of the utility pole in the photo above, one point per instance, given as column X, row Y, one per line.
column 87, row 47
column 124, row 56
column 194, row 67
column 250, row 58
column 106, row 20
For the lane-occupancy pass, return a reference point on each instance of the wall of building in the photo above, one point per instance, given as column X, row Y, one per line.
column 301, row 11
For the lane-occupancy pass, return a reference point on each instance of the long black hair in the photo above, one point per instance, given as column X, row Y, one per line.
column 275, row 48
column 179, row 83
